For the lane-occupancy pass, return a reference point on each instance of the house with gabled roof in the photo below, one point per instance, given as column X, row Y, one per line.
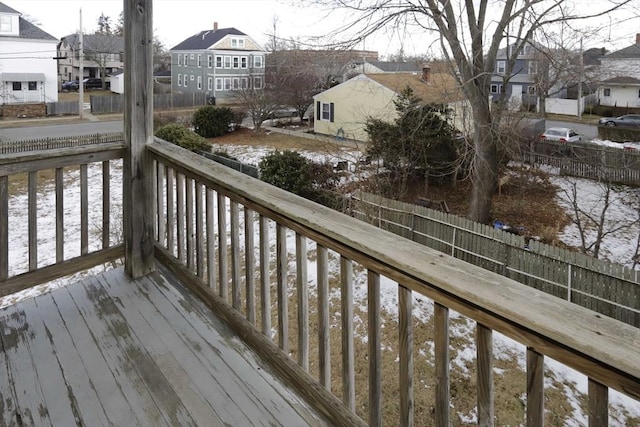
column 217, row 62
column 343, row 110
column 623, row 88
column 27, row 65
column 366, row 66
column 103, row 55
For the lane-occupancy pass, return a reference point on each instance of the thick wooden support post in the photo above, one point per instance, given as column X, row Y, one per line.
column 138, row 130
column 443, row 387
column 484, row 337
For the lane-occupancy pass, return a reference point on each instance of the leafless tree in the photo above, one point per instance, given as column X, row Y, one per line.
column 103, row 49
column 258, row 104
column 470, row 33
column 593, row 217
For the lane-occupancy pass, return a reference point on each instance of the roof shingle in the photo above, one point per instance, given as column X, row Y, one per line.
column 206, row 39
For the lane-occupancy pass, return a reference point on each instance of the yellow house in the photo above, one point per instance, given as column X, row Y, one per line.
column 342, row 111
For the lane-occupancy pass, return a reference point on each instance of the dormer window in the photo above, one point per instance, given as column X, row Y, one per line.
column 235, row 42
column 501, row 68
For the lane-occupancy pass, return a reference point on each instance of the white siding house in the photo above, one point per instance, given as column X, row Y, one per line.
column 623, row 88
column 28, row 72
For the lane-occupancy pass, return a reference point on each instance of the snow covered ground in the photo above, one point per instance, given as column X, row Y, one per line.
column 617, row 249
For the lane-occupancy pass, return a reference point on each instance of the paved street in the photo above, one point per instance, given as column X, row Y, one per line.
column 53, row 131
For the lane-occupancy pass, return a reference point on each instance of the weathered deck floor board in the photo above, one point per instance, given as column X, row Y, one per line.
column 111, row 351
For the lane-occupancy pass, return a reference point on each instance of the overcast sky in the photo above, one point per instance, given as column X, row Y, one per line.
column 176, row 20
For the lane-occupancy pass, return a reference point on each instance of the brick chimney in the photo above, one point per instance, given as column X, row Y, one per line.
column 637, row 38
column 426, row 73
column 215, row 25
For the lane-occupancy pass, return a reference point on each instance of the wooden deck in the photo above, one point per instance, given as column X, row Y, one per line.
column 112, row 351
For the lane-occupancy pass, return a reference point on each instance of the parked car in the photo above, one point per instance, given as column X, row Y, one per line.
column 562, row 135
column 70, row 85
column 92, row 83
column 628, row 120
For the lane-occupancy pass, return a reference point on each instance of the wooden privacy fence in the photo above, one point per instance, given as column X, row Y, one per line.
column 168, row 101
column 60, row 142
column 610, row 289
column 62, row 108
column 584, row 160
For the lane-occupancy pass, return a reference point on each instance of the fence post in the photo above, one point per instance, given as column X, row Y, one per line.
column 453, row 243
column 569, row 271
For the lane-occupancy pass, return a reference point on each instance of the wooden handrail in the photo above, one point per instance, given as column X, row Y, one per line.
column 603, row 349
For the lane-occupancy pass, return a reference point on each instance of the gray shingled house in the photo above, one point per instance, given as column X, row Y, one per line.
column 217, row 62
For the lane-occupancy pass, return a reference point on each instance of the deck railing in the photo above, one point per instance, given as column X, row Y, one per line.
column 35, row 174
column 214, row 228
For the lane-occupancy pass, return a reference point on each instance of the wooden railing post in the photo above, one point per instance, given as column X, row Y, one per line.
column 138, row 129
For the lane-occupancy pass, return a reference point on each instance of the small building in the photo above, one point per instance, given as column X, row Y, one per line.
column 343, row 110
column 27, row 64
column 623, row 88
column 217, row 62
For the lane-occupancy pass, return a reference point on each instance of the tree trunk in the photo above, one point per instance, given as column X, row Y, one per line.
column 485, row 164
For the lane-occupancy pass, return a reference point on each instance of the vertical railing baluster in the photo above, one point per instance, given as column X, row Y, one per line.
column 598, row 404
column 4, row 227
column 33, row 220
column 59, row 215
column 84, row 210
column 235, row 254
column 189, row 217
column 375, row 354
column 324, row 326
column 281, row 279
column 160, row 209
column 182, row 256
column 535, row 388
column 250, row 265
column 171, row 224
column 346, row 314
column 265, row 282
column 303, row 301
column 223, row 264
column 441, row 343
column 405, row 330
column 106, row 204
column 199, row 232
column 484, row 344
column 211, row 241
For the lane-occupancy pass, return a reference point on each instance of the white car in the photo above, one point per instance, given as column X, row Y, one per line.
column 562, row 135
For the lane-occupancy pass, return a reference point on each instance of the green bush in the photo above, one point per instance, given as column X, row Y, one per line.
column 289, row 171
column 210, row 121
column 183, row 137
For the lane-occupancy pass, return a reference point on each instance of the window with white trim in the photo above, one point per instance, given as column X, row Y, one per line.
column 257, row 62
column 496, row 88
column 236, row 83
column 218, row 61
column 192, row 56
column 33, row 85
column 227, row 61
column 185, row 81
column 606, row 92
column 179, row 79
column 179, row 60
column 236, row 42
column 219, row 84
column 199, row 60
column 257, row 82
column 5, row 24
column 324, row 111
column 531, row 90
column 533, row 67
column 16, row 86
column 209, row 61
column 209, row 84
column 243, row 62
column 227, row 83
column 244, row 83
column 186, row 60
column 501, row 67
column 199, row 82
column 236, row 62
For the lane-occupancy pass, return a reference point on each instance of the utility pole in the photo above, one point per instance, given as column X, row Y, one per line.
column 81, row 76
column 580, row 73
